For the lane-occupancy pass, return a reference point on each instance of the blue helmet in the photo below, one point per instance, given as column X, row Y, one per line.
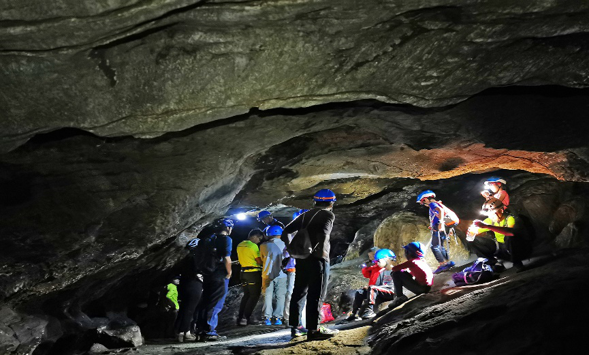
column 496, row 180
column 325, row 195
column 224, row 223
column 263, row 215
column 385, row 253
column 274, row 230
column 415, row 248
column 298, row 213
column 424, row 194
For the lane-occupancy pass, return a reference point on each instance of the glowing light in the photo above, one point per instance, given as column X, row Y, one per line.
column 241, row 216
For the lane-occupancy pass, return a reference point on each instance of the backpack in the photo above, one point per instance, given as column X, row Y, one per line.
column 325, row 314
column 479, row 272
column 450, row 217
column 301, row 247
column 204, row 255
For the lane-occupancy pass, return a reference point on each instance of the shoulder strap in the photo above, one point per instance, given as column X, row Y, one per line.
column 303, row 220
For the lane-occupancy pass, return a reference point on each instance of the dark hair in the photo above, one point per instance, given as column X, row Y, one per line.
column 323, row 203
column 254, row 232
column 409, row 254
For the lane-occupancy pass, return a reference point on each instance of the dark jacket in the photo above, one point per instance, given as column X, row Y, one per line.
column 319, row 230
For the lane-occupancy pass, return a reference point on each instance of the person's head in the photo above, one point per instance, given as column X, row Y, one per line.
column 384, row 257
column 256, row 236
column 494, row 184
column 223, row 226
column 274, row 232
column 426, row 197
column 324, row 199
column 371, row 252
column 265, row 217
column 176, row 280
column 494, row 209
column 413, row 250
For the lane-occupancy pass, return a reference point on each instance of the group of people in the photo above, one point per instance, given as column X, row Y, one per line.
column 291, row 285
column 289, row 265
column 386, row 281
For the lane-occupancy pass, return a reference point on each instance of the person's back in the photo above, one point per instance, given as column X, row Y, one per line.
column 273, row 278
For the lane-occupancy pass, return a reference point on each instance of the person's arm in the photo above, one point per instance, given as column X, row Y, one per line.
column 507, row 231
column 402, row 266
column 227, row 256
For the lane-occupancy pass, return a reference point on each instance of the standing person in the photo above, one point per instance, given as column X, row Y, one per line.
column 248, row 254
column 437, row 228
column 190, row 291
column 414, row 274
column 273, row 278
column 215, row 280
column 510, row 241
column 290, row 271
column 268, row 220
column 312, row 271
column 169, row 305
column 495, row 187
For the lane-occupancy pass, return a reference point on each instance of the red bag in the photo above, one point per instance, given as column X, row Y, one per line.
column 326, row 315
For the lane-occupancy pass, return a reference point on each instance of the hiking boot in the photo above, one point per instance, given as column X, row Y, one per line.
column 368, row 313
column 268, row 321
column 322, row 333
column 298, row 332
column 399, row 300
column 278, row 321
column 242, row 322
column 188, row 336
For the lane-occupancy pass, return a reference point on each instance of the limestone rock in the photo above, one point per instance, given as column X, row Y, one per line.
column 120, row 337
column 97, row 349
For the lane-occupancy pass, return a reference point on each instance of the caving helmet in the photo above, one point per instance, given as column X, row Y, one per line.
column 298, row 213
column 414, row 248
column 384, row 253
column 263, row 215
column 223, row 223
column 495, row 179
column 274, row 231
column 424, row 194
column 325, row 195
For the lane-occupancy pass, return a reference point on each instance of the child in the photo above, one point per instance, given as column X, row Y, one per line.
column 414, row 274
column 371, row 270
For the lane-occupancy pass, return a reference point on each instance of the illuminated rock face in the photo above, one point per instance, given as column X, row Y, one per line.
column 88, row 220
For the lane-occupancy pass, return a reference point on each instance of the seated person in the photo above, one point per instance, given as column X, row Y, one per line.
column 509, row 240
column 382, row 290
column 371, row 271
column 414, row 274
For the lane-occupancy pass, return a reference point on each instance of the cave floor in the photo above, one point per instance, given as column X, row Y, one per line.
column 266, row 340
column 354, row 338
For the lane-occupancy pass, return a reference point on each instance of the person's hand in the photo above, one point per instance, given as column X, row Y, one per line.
column 479, row 223
column 228, row 276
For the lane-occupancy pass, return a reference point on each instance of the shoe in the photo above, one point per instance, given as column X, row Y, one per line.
column 188, row 336
column 369, row 313
column 298, row 332
column 399, row 300
column 353, row 317
column 445, row 267
column 498, row 267
column 180, row 337
column 242, row 322
column 322, row 333
column 278, row 321
column 268, row 321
